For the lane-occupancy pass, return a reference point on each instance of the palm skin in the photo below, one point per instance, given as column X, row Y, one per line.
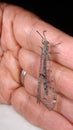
column 20, row 48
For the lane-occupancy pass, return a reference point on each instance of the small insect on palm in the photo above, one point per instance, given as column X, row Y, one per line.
column 46, row 87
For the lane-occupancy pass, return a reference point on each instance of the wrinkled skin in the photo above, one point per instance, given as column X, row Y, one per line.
column 20, row 48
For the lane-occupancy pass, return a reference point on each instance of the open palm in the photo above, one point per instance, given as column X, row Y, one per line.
column 20, row 48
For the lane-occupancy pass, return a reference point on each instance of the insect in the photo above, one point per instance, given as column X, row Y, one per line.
column 46, row 87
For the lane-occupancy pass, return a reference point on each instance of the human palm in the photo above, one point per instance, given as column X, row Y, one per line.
column 20, row 48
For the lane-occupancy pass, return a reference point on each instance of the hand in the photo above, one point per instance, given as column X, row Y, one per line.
column 20, row 49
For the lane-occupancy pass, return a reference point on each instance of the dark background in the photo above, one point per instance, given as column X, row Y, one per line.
column 56, row 13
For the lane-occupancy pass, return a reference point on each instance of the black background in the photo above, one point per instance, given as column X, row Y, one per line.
column 59, row 14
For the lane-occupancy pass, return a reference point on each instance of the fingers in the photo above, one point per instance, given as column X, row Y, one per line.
column 37, row 114
column 31, row 85
column 25, row 26
column 30, row 62
column 8, row 41
column 7, row 85
column 64, row 105
column 63, row 80
column 12, row 65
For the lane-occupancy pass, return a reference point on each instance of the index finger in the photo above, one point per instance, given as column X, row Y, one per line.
column 25, row 24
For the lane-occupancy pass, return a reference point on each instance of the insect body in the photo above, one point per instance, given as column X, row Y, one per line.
column 46, row 87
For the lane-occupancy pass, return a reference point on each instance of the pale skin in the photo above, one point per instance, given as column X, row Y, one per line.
column 20, row 48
